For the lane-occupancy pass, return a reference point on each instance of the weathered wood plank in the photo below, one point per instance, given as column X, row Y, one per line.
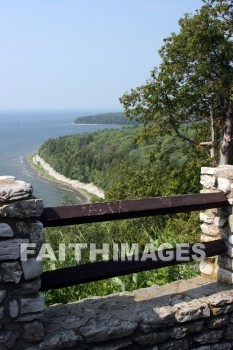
column 126, row 209
column 91, row 272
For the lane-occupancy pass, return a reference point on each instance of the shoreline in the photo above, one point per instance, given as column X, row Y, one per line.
column 85, row 124
column 83, row 190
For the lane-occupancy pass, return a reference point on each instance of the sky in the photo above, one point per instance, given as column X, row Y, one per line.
column 81, row 54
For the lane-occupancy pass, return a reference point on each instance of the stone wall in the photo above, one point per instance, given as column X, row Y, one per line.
column 21, row 304
column 218, row 223
column 194, row 314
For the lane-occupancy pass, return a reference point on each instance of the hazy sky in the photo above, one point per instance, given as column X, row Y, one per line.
column 80, row 54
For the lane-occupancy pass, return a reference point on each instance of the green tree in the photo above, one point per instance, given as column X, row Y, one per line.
column 193, row 87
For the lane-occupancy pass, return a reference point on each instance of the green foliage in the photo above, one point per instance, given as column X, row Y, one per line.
column 105, row 118
column 109, row 233
column 193, row 80
column 89, row 157
column 132, row 169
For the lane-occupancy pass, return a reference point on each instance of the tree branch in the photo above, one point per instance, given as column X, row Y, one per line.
column 209, row 143
column 179, row 134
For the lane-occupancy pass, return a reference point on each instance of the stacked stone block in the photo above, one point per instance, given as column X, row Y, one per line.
column 21, row 304
column 218, row 223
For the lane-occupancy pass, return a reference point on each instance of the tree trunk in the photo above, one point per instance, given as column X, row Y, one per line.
column 212, row 148
column 211, row 143
column 226, row 138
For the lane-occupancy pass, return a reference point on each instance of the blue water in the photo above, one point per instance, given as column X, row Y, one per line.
column 21, row 133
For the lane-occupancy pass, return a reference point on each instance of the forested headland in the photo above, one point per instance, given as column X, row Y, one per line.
column 125, row 166
column 118, row 118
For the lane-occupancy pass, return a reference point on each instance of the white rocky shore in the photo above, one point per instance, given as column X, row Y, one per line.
column 75, row 184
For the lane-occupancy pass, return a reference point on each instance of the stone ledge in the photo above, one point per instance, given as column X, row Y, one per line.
column 12, row 189
column 158, row 316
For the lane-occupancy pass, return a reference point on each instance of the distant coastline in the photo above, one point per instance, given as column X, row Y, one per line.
column 118, row 118
column 85, row 124
column 84, row 190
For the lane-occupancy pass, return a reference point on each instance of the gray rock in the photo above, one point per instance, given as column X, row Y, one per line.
column 219, row 299
column 63, row 339
column 217, row 322
column 13, row 190
column 209, row 181
column 29, row 317
column 152, row 338
column 10, row 248
column 225, row 262
column 23, row 209
column 191, row 311
column 208, row 337
column 210, row 229
column 208, row 171
column 230, row 222
column 180, row 332
column 224, row 185
column 1, row 312
column 36, row 230
column 207, row 217
column 223, row 310
column 158, row 316
column 6, row 230
column 22, row 229
column 221, row 346
column 220, row 221
column 230, row 317
column 11, row 272
column 206, row 238
column 8, row 339
column 33, row 331
column 229, row 332
column 13, row 308
column 224, row 233
column 31, row 268
column 106, row 328
column 179, row 299
column 30, row 287
column 147, row 328
column 117, row 345
column 175, row 344
column 32, row 304
column 206, row 267
column 2, row 295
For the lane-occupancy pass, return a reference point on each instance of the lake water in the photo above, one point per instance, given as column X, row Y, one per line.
column 21, row 133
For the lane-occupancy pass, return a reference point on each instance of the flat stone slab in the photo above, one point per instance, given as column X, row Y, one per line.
column 220, row 171
column 6, row 230
column 31, row 305
column 31, row 268
column 10, row 248
column 22, row 209
column 13, row 190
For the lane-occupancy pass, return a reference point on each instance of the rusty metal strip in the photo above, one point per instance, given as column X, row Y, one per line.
column 126, row 209
column 91, row 272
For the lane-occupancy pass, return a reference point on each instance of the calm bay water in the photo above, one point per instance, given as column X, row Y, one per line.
column 21, row 133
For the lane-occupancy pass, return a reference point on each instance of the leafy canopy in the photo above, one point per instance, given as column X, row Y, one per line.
column 196, row 74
